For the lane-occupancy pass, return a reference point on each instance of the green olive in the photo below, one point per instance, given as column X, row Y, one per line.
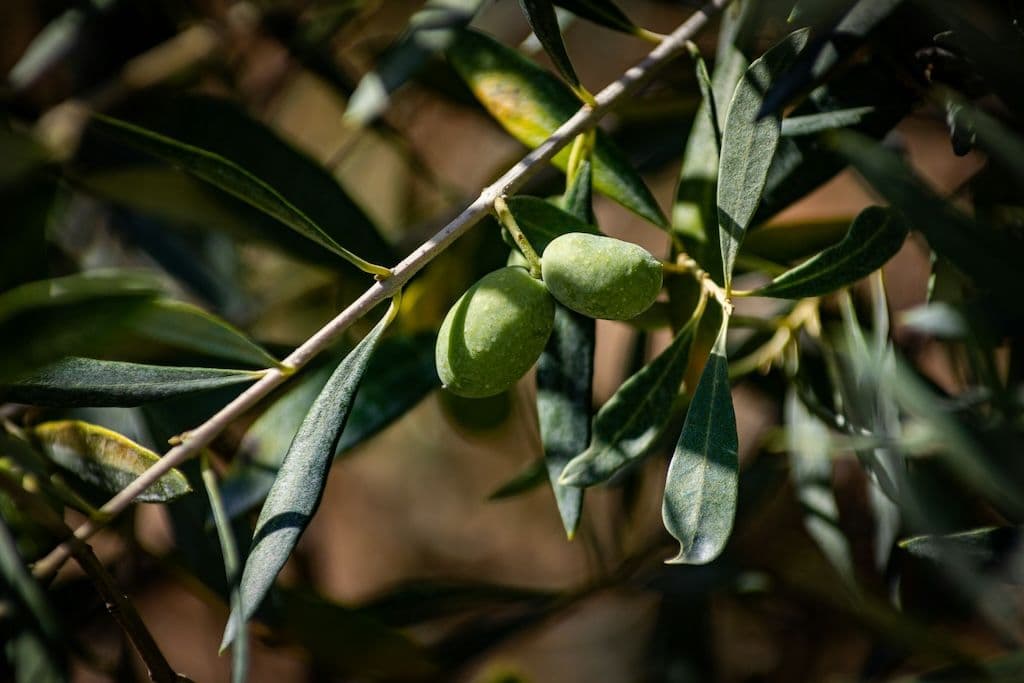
column 494, row 333
column 601, row 277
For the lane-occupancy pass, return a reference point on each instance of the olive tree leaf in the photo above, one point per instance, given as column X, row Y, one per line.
column 694, row 212
column 75, row 381
column 875, row 236
column 628, row 425
column 701, row 489
column 972, row 247
column 809, row 124
column 226, row 175
column 232, row 566
column 400, row 373
column 430, row 30
column 565, row 373
column 186, row 326
column 105, row 458
column 541, row 221
column 531, row 104
column 810, row 467
column 527, row 479
column 544, row 22
column 992, row 549
column 604, row 13
column 748, row 145
column 822, row 55
column 299, row 486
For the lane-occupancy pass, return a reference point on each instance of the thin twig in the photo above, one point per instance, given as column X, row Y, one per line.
column 119, row 606
column 584, row 119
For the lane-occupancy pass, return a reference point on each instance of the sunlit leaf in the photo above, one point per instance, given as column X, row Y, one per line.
column 701, row 488
column 809, row 124
column 298, row 488
column 602, row 12
column 874, row 237
column 748, row 145
column 544, row 22
column 75, row 381
column 430, row 30
column 224, row 174
column 531, row 104
column 628, row 425
column 105, row 458
column 991, row 549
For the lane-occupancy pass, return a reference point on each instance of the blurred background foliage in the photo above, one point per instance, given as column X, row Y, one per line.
column 877, row 531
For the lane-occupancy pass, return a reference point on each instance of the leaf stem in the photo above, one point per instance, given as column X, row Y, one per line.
column 508, row 221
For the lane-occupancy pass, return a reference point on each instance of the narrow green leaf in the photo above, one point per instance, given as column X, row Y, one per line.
column 531, row 104
column 809, row 124
column 845, row 37
column 105, row 458
column 972, row 247
column 544, row 22
column 186, row 326
column 810, row 467
column 694, row 212
column 225, row 175
column 232, row 566
column 541, row 221
column 19, row 583
column 72, row 289
column 431, row 30
column 875, row 236
column 34, row 661
column 77, row 381
column 748, row 145
column 602, row 12
column 702, row 484
column 401, row 372
column 997, row 140
column 991, row 549
column 629, row 424
column 299, row 486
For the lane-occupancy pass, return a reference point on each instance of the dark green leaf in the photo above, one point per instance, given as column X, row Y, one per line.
column 701, row 489
column 19, row 584
column 531, row 104
column 431, row 30
column 971, row 247
column 28, row 209
column 400, row 373
column 44, row 320
column 106, row 459
column 299, row 485
column 629, row 424
column 34, row 661
column 748, row 145
column 232, row 567
column 578, row 200
column 875, row 236
column 77, row 381
column 810, row 466
column 185, row 326
column 997, row 140
column 809, row 124
column 694, row 213
column 847, row 35
column 602, row 12
column 541, row 221
column 544, row 22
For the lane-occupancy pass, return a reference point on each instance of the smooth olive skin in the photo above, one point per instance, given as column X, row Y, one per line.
column 601, row 277
column 494, row 333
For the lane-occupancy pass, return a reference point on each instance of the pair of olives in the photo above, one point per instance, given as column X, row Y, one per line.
column 496, row 331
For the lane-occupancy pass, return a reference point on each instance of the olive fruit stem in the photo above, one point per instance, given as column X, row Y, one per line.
column 513, row 179
column 508, row 221
column 581, row 149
